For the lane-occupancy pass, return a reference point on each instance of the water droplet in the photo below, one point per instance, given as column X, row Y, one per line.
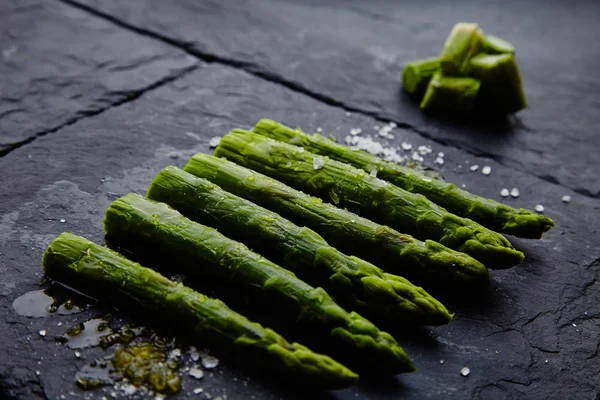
column 465, row 371
column 504, row 192
column 566, row 199
column 251, row 178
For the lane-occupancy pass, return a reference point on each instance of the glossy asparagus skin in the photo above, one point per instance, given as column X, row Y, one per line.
column 450, row 94
column 417, row 74
column 163, row 232
column 496, row 216
column 495, row 45
column 299, row 249
column 501, row 84
column 367, row 195
column 464, row 41
column 427, row 262
column 73, row 256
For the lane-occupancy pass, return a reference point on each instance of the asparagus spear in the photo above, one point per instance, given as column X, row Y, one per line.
column 496, row 216
column 464, row 41
column 495, row 45
column 427, row 262
column 163, row 232
column 448, row 93
column 417, row 74
column 372, row 197
column 502, row 88
column 301, row 250
column 70, row 256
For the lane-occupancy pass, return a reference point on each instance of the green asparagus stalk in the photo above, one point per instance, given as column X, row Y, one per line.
column 502, row 88
column 464, row 41
column 417, row 74
column 450, row 94
column 73, row 256
column 495, row 45
column 427, row 262
column 493, row 215
column 162, row 231
column 367, row 195
column 299, row 249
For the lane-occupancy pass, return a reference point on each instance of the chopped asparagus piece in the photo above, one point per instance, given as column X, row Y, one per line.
column 367, row 195
column 464, row 41
column 417, row 74
column 428, row 261
column 159, row 231
column 495, row 45
column 299, row 249
column 446, row 93
column 73, row 257
column 493, row 215
column 502, row 88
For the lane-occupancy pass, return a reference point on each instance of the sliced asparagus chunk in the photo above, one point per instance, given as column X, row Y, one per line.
column 159, row 231
column 299, row 249
column 73, row 257
column 464, row 42
column 450, row 94
column 417, row 74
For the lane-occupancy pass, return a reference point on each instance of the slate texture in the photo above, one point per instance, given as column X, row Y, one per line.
column 351, row 53
column 59, row 64
column 534, row 335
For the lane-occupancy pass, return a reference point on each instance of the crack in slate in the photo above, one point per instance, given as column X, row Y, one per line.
column 128, row 97
column 258, row 71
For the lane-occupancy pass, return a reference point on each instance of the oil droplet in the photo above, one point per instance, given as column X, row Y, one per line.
column 43, row 303
column 96, row 332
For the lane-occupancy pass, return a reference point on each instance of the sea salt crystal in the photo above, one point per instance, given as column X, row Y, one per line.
column 465, row 371
column 406, row 146
column 301, row 149
column 514, row 192
column 439, row 161
column 63, row 220
column 373, row 172
column 355, row 131
column 196, row 373
column 210, row 362
column 392, row 124
column 440, row 154
column 474, row 168
column 198, row 390
column 347, row 114
column 43, row 333
column 416, row 157
column 539, row 208
column 319, row 129
column 566, row 199
column 486, row 170
column 441, row 361
column 318, row 163
column 504, row 192
column 214, row 142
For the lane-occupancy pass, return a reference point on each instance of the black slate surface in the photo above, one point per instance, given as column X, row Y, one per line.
column 544, row 309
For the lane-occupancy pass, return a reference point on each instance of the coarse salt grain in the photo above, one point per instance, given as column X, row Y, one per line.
column 406, row 146
column 486, row 170
column 439, row 161
column 474, row 168
column 465, row 371
column 43, row 333
column 539, row 208
column 566, row 199
column 214, row 141
column 514, row 192
column 319, row 129
column 318, row 163
column 504, row 192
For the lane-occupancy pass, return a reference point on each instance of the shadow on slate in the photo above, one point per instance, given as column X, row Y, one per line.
column 172, row 325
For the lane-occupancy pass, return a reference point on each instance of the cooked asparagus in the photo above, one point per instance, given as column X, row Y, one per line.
column 299, row 249
column 493, row 215
column 162, row 231
column 417, row 74
column 70, row 256
column 367, row 195
column 501, row 85
column 427, row 262
column 448, row 94
column 464, row 41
